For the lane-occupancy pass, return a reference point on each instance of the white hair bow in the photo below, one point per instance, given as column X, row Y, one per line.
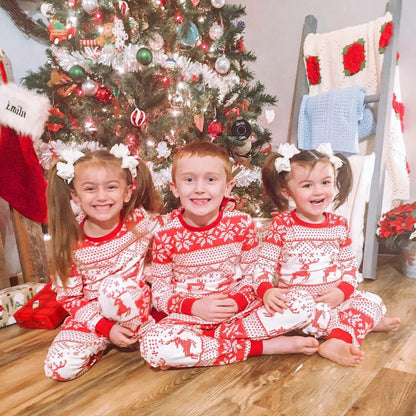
column 287, row 151
column 127, row 161
column 65, row 170
column 326, row 149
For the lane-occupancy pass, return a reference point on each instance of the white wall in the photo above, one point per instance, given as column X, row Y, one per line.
column 24, row 53
column 273, row 31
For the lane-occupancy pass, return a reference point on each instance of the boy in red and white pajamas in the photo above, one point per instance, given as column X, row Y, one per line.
column 203, row 261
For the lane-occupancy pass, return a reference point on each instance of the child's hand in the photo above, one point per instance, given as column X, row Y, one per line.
column 121, row 336
column 275, row 300
column 215, row 308
column 332, row 297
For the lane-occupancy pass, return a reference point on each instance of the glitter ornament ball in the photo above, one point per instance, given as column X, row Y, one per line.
column 244, row 148
column 77, row 73
column 89, row 87
column 222, row 65
column 144, row 56
column 156, row 42
column 216, row 31
column 137, row 117
column 104, row 95
column 218, row 3
column 215, row 129
column 90, row 6
column 188, row 34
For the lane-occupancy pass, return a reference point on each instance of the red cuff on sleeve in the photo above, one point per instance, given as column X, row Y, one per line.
column 262, row 289
column 340, row 334
column 186, row 306
column 241, row 301
column 104, row 326
column 347, row 289
column 256, row 348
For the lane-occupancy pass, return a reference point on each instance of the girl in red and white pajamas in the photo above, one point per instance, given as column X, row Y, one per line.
column 99, row 257
column 310, row 249
column 202, row 267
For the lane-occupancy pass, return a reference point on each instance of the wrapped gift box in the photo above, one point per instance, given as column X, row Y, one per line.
column 13, row 298
column 42, row 311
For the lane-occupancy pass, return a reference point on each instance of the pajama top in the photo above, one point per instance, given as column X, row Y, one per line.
column 189, row 263
column 119, row 253
column 309, row 256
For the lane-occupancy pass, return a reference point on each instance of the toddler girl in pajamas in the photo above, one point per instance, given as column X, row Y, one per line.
column 98, row 257
column 309, row 248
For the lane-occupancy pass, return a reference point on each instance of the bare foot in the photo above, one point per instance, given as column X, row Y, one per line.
column 290, row 345
column 388, row 324
column 341, row 352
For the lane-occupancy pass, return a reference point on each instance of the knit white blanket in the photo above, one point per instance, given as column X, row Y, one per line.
column 354, row 56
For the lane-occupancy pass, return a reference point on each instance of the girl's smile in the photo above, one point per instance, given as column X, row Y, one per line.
column 311, row 189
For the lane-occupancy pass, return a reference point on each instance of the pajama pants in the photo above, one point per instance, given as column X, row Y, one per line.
column 351, row 321
column 186, row 341
column 76, row 348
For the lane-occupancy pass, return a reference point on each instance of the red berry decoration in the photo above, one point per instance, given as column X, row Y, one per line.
column 215, row 129
column 104, row 95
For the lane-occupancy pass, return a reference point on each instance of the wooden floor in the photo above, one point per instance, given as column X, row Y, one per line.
column 289, row 385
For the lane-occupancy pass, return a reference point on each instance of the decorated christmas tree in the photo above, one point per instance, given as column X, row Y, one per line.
column 154, row 74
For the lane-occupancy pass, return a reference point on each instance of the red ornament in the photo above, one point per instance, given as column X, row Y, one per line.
column 137, row 117
column 215, row 129
column 104, row 95
column 204, row 45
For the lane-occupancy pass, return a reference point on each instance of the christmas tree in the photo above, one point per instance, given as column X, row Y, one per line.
column 154, row 74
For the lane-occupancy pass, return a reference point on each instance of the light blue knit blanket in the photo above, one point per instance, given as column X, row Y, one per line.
column 337, row 116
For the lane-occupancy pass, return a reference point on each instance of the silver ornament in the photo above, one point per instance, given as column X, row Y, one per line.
column 177, row 101
column 244, row 149
column 90, row 6
column 156, row 42
column 218, row 3
column 216, row 31
column 222, row 65
column 89, row 87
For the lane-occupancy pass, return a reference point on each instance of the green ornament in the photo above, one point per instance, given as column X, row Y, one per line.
column 77, row 73
column 144, row 56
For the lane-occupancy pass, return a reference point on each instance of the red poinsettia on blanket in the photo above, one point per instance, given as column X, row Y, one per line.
column 354, row 57
column 312, row 70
